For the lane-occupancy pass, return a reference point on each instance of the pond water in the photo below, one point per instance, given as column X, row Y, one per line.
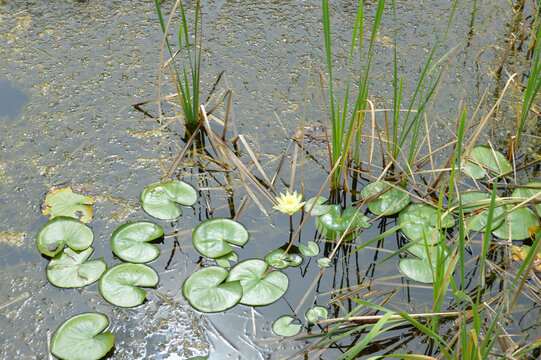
column 70, row 72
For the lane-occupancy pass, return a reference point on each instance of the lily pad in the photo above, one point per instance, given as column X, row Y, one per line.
column 319, row 208
column 63, row 230
column 206, row 290
column 274, row 259
column 475, row 203
column 324, row 262
column 333, row 224
column 213, row 236
column 224, row 261
column 160, row 200
column 81, row 338
column 64, row 202
column 529, row 190
column 130, row 241
column 120, row 284
column 283, row 327
column 421, row 221
column 258, row 290
column 311, row 250
column 421, row 269
column 390, row 202
column 516, row 224
column 316, row 313
column 68, row 269
column 493, row 160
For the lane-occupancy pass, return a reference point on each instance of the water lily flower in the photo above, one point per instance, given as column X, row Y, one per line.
column 289, row 203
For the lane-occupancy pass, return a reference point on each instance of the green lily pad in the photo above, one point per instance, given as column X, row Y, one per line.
column 333, row 224
column 390, row 202
column 160, row 200
column 422, row 269
column 120, row 283
column 274, row 259
column 224, row 260
column 473, row 170
column 283, row 327
column 311, row 250
column 64, row 202
column 421, row 221
column 516, row 224
column 316, row 313
column 68, row 269
column 475, row 203
column 130, row 241
column 213, row 236
column 529, row 190
column 81, row 338
column 319, row 208
column 255, row 289
column 63, row 230
column 206, row 290
column 493, row 160
column 324, row 262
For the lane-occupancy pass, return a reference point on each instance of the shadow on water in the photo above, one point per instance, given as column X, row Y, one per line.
column 12, row 99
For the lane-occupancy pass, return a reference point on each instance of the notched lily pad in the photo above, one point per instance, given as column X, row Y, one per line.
column 333, row 224
column 278, row 260
column 316, row 313
column 516, row 224
column 206, row 290
column 531, row 189
column 68, row 269
column 224, row 261
column 213, row 236
column 63, row 230
column 120, row 283
column 422, row 268
column 64, row 202
column 81, row 338
column 475, row 203
column 258, row 290
column 324, row 262
column 283, row 327
column 421, row 221
column 130, row 241
column 161, row 200
column 319, row 208
column 490, row 159
column 390, row 202
column 312, row 249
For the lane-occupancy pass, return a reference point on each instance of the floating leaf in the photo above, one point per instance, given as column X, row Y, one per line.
column 324, row 262
column 516, row 223
column 473, row 170
column 63, row 230
column 529, row 190
column 475, row 202
column 316, row 313
column 68, row 269
column 319, row 208
column 283, row 327
column 206, row 290
column 493, row 160
column 64, row 202
column 422, row 269
column 212, row 237
column 224, row 260
column 160, row 200
column 120, row 284
column 311, row 250
column 130, row 241
column 390, row 202
column 278, row 260
column 81, row 338
column 420, row 221
column 258, row 290
column 333, row 224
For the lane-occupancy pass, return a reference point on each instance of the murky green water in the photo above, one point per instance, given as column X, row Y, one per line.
column 71, row 71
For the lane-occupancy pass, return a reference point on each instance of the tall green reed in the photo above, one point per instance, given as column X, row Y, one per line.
column 187, row 79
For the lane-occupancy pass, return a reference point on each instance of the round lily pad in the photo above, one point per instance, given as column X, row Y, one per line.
column 120, row 283
column 224, row 260
column 278, row 260
column 527, row 191
column 324, row 262
column 130, row 241
column 64, row 202
column 81, row 338
column 312, row 249
column 160, row 200
column 255, row 289
column 68, row 269
column 475, row 203
column 333, row 224
column 283, row 327
column 421, row 269
column 516, row 224
column 213, row 236
column 63, row 230
column 316, row 313
column 493, row 160
column 319, row 208
column 390, row 202
column 206, row 290
column 421, row 220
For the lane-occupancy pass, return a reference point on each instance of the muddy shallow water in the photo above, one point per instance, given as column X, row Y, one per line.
column 69, row 74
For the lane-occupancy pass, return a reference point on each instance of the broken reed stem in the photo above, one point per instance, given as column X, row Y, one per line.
column 167, row 177
column 372, row 319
